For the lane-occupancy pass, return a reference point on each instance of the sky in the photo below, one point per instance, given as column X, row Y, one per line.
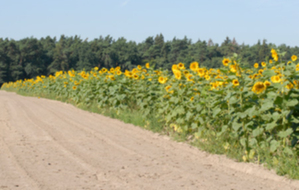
column 247, row 21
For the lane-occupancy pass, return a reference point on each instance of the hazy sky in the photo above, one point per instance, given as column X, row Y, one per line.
column 246, row 20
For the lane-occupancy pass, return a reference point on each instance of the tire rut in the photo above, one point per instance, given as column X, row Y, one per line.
column 59, row 145
column 56, row 142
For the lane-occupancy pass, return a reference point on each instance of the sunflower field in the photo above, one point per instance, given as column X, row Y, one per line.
column 257, row 107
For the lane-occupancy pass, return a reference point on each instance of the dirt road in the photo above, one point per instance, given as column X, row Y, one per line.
column 47, row 144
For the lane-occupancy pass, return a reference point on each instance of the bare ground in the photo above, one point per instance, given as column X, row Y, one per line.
column 47, row 144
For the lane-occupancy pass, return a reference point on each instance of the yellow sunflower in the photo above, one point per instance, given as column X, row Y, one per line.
column 255, row 76
column 181, row 66
column 104, row 70
column 162, row 80
column 258, row 87
column 178, row 74
column 294, row 57
column 235, row 82
column 207, row 77
column 289, row 86
column 296, row 83
column 256, row 65
column 135, row 71
column 225, row 61
column 117, row 68
column 189, row 77
column 261, row 71
column 276, row 79
column 118, row 72
column 186, row 72
column 267, row 83
column 147, row 65
column 112, row 77
column 174, row 67
column 274, row 55
column 194, row 66
column 263, row 64
column 135, row 76
column 201, row 72
column 167, row 89
column 129, row 74
column 233, row 68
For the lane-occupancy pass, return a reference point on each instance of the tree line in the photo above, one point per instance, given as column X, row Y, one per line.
column 30, row 57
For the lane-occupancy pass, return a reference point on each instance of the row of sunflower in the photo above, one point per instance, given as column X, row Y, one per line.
column 258, row 107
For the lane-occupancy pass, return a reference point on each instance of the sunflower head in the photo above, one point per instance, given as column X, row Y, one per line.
column 289, row 86
column 118, row 72
column 174, row 67
column 135, row 76
column 167, row 89
column 117, row 68
column 233, row 68
column 189, row 77
column 258, row 87
column 178, row 74
column 264, row 64
column 201, row 72
column 294, row 57
column 276, row 79
column 104, row 70
column 147, row 65
column 235, row 82
column 185, row 72
column 112, row 77
column 256, row 65
column 261, row 71
column 162, row 80
column 135, row 70
column 194, row 66
column 225, row 61
column 207, row 77
column 267, row 83
column 129, row 74
column 274, row 54
column 181, row 66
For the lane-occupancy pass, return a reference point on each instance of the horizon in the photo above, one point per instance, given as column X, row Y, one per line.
column 57, row 39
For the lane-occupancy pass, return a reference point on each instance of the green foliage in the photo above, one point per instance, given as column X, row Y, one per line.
column 30, row 57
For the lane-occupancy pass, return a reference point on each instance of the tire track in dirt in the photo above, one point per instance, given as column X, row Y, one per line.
column 95, row 152
column 9, row 164
column 207, row 160
column 134, row 154
column 60, row 144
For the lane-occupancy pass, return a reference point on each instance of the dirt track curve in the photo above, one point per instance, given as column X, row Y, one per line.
column 47, row 144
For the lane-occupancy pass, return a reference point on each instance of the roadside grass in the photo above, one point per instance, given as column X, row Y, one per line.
column 283, row 164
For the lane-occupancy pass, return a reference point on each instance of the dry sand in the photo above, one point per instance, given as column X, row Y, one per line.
column 47, row 144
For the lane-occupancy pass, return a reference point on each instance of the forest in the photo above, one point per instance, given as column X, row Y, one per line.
column 31, row 57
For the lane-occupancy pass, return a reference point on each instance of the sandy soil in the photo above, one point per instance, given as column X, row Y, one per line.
column 47, row 144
